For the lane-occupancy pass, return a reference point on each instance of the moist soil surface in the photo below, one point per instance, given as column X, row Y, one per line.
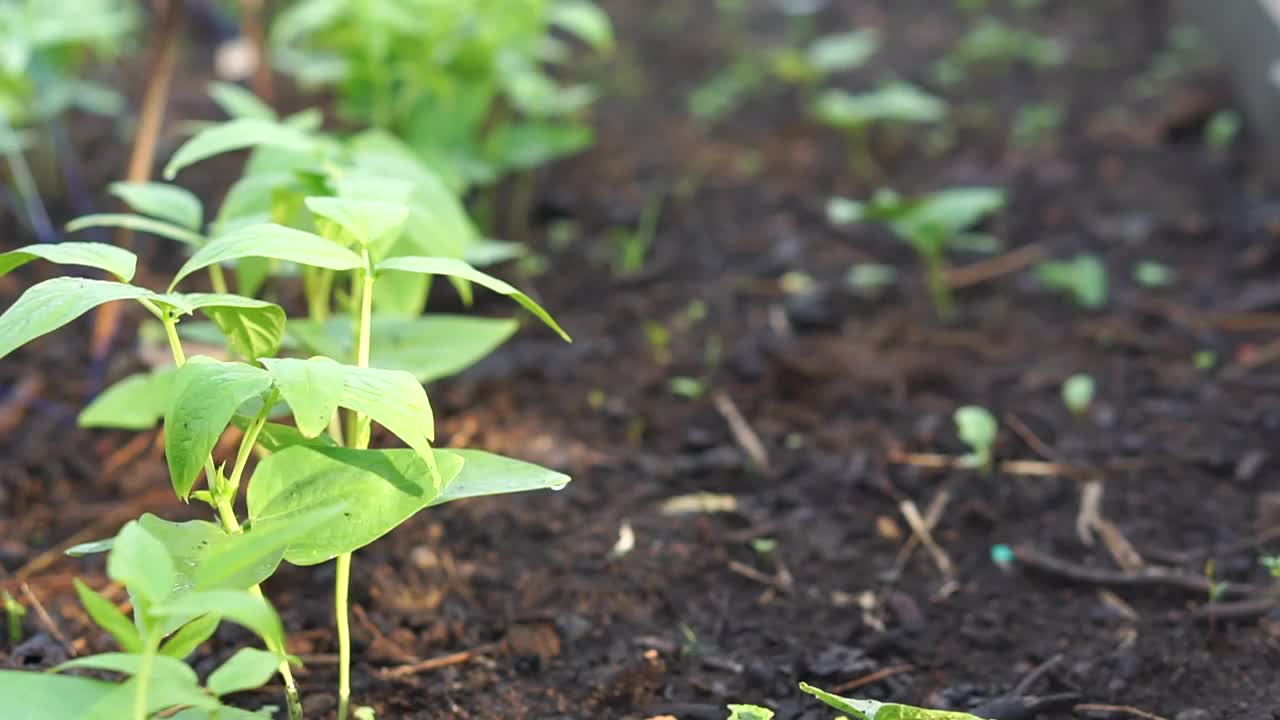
column 600, row 601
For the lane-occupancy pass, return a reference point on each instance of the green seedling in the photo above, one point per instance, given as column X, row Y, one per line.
column 875, row 710
column 977, row 428
column 472, row 92
column 993, row 43
column 346, row 245
column 749, row 712
column 633, row 246
column 1152, row 274
column 13, row 614
column 688, row 387
column 871, row 279
column 1084, row 278
column 892, row 104
column 1184, row 52
column 1272, row 564
column 1077, row 393
column 1222, row 129
column 931, row 224
column 1036, row 124
column 1204, row 360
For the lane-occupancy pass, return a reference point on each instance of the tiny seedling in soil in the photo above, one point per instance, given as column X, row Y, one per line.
column 931, row 224
column 855, row 709
column 893, row 104
column 871, row 279
column 1077, row 393
column 1084, row 278
column 1152, row 274
column 977, row 428
column 1036, row 125
column 1221, row 130
column 13, row 614
column 992, row 42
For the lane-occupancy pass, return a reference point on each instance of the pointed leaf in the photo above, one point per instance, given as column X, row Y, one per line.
column 457, row 268
column 49, row 305
column 488, row 474
column 162, row 201
column 253, row 328
column 163, row 668
column 206, row 394
column 875, row 710
column 147, row 225
column 172, row 692
column 239, row 102
column 41, row 696
column 586, row 20
column 141, row 563
column 271, row 241
column 276, row 437
column 190, row 637
column 368, row 221
column 117, row 261
column 395, row 400
column 135, row 403
column 237, row 134
column 196, row 544
column 109, row 618
column 313, row 388
column 249, row 668
column 263, row 543
column 429, row 347
column 381, row 488
column 238, row 606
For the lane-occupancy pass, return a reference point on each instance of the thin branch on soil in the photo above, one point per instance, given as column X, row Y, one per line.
column 1239, row 610
column 938, row 461
column 778, row 582
column 874, row 677
column 980, row 272
column 1033, row 441
column 14, row 407
column 1118, row 546
column 1258, row 540
column 435, row 663
column 746, row 437
column 381, row 640
column 45, row 620
column 1125, row 709
column 1090, row 513
column 932, row 516
column 1150, row 575
column 142, row 158
column 921, row 530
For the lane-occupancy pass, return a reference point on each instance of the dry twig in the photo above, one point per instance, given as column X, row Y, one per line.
column 742, row 432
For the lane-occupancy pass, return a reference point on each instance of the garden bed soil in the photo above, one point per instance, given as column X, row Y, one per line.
column 526, row 598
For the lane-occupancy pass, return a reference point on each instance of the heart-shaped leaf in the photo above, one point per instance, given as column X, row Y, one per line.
column 313, row 388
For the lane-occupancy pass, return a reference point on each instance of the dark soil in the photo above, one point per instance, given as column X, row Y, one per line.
column 837, row 387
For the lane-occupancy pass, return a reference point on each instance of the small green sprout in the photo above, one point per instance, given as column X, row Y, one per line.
column 992, row 42
column 1216, row 588
column 1221, row 130
column 895, row 103
column 764, row 545
column 688, row 387
column 1152, row 274
column 977, row 428
column 825, row 56
column 871, row 279
column 1272, row 564
column 875, row 710
column 1204, row 360
column 1077, row 393
column 1084, row 278
column 930, row 224
column 1036, row 124
column 14, row 612
column 749, row 712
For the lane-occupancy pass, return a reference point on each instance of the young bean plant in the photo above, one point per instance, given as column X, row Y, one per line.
column 855, row 709
column 318, row 474
column 1077, row 393
column 892, row 104
column 931, row 224
column 1084, row 278
column 977, row 428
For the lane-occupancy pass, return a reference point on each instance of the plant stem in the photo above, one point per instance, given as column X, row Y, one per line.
column 939, row 293
column 224, row 501
column 144, row 676
column 217, row 279
column 359, row 439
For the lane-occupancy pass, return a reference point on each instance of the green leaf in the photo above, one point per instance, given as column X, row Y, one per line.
column 206, row 394
column 135, row 403
column 457, row 268
column 527, row 145
column 276, row 437
column 190, row 637
column 171, row 692
column 313, row 388
column 977, row 428
column 237, row 134
column 586, row 20
column 49, row 305
column 875, row 710
column 488, row 474
column 271, row 241
column 951, row 211
column 395, row 400
column 141, row 563
column 894, row 102
column 249, row 668
column 749, row 712
column 1084, row 277
column 195, row 545
column 42, row 696
column 238, row 102
column 843, row 51
column 368, row 221
column 429, row 347
column 117, row 261
column 148, row 225
column 91, row 548
column 253, row 328
column 238, row 606
column 381, row 488
column 162, row 201
column 163, row 668
column 243, row 556
column 109, row 618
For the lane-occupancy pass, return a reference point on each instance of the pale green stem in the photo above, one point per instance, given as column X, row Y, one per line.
column 360, row 440
column 217, row 279
column 224, row 501
column 144, row 676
